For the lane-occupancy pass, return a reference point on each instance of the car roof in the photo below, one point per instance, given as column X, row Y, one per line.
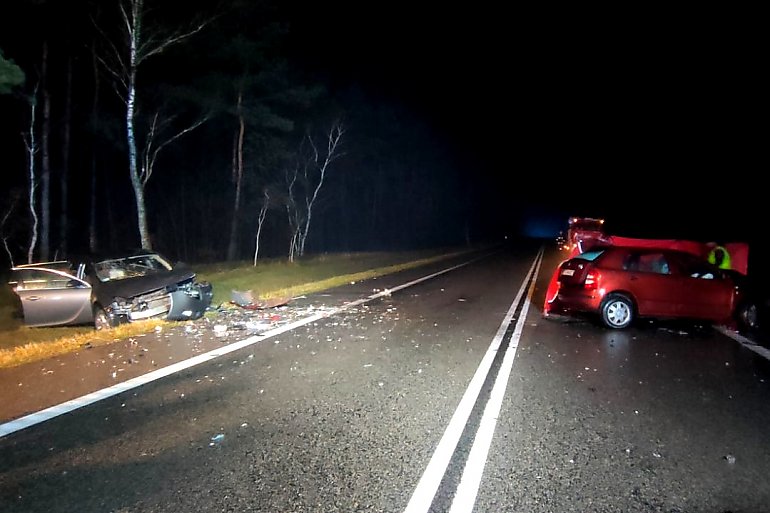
column 646, row 249
column 70, row 265
column 113, row 255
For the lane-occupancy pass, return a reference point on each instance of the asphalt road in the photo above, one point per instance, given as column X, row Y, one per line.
column 400, row 402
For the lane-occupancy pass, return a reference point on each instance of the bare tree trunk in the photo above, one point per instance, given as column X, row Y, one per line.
column 92, row 240
column 65, row 165
column 45, row 163
column 2, row 227
column 292, row 212
column 314, row 169
column 260, row 222
column 31, row 151
column 136, row 180
column 232, row 248
column 125, row 70
column 294, row 248
column 333, row 139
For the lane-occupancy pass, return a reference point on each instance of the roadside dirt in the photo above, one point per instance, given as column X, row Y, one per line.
column 35, row 386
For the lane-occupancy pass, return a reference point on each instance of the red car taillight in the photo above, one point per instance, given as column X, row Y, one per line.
column 592, row 280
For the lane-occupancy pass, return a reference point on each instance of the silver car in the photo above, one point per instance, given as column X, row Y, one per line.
column 110, row 291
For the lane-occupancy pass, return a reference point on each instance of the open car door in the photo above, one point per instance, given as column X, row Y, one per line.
column 50, row 297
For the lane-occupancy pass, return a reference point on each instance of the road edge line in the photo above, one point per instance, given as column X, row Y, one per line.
column 744, row 341
column 51, row 412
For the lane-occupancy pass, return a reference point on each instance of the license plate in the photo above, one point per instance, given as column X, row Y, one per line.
column 567, row 272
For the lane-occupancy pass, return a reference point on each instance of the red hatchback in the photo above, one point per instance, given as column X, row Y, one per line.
column 623, row 283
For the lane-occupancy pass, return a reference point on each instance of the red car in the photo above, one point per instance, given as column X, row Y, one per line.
column 621, row 284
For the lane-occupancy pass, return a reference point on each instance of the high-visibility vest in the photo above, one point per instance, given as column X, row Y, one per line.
column 725, row 263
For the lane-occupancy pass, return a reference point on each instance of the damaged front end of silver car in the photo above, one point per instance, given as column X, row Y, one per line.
column 184, row 301
column 190, row 301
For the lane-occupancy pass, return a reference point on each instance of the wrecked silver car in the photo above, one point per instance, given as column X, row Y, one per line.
column 107, row 292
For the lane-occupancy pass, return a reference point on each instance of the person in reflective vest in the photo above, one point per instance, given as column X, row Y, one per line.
column 720, row 257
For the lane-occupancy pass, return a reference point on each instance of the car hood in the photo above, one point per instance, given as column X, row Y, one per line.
column 131, row 287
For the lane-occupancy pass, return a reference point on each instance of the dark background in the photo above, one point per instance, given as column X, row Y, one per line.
column 517, row 117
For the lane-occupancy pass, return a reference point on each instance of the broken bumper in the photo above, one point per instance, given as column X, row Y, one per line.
column 190, row 302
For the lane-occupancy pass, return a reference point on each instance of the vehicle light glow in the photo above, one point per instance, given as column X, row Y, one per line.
column 592, row 280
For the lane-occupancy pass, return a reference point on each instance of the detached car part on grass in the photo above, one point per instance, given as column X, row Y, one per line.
column 108, row 292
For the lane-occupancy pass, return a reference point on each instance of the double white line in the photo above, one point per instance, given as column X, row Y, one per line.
column 465, row 496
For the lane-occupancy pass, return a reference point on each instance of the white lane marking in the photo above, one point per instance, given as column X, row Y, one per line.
column 745, row 342
column 79, row 402
column 423, row 494
column 467, row 490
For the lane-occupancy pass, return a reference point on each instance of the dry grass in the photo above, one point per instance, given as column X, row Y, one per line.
column 34, row 351
column 282, row 278
column 283, row 281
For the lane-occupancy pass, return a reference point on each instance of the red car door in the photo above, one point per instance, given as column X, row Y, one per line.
column 657, row 291
column 706, row 292
column 707, row 298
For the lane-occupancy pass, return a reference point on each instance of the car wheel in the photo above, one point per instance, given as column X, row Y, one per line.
column 748, row 316
column 101, row 319
column 617, row 311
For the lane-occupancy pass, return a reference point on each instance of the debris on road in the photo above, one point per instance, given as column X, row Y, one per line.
column 245, row 299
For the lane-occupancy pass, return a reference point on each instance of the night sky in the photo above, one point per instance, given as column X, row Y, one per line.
column 649, row 118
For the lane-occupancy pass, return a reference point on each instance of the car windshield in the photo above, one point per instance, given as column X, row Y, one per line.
column 130, row 267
